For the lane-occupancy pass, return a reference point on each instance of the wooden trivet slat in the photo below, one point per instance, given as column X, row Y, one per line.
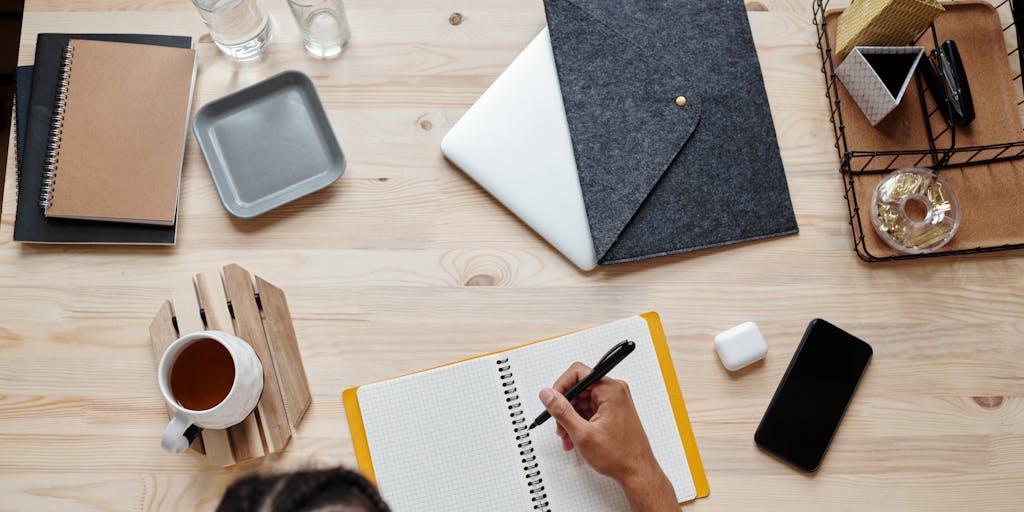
column 245, row 438
column 291, row 373
column 189, row 319
column 233, row 303
column 273, row 417
column 162, row 333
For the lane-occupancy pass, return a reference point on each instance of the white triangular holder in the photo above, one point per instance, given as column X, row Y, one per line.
column 877, row 82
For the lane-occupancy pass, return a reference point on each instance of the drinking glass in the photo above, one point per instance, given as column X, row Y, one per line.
column 324, row 26
column 240, row 28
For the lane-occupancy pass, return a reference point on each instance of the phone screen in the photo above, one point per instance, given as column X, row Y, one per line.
column 813, row 395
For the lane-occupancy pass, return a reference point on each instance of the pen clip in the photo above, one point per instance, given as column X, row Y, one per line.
column 607, row 355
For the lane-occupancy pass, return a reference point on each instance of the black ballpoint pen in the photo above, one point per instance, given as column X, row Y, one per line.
column 612, row 358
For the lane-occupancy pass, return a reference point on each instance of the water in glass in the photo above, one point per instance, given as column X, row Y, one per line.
column 240, row 28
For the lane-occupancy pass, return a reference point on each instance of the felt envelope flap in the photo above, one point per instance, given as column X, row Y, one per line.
column 620, row 103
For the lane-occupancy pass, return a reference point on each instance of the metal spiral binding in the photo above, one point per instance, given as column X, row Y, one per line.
column 17, row 151
column 56, row 130
column 529, row 460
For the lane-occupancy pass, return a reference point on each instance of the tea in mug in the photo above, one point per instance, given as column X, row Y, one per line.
column 202, row 375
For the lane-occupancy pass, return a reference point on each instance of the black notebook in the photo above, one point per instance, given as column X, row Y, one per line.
column 670, row 125
column 31, row 225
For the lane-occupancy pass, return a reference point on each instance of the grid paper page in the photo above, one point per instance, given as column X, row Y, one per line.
column 442, row 440
column 571, row 484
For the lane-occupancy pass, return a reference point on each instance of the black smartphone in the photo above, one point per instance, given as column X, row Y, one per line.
column 813, row 395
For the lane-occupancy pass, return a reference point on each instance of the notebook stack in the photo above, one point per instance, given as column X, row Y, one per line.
column 101, row 127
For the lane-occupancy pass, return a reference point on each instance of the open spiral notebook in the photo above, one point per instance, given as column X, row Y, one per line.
column 455, row 438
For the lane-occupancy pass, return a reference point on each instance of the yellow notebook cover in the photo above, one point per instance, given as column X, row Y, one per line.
column 700, row 481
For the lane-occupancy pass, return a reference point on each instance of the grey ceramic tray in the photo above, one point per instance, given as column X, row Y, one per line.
column 268, row 144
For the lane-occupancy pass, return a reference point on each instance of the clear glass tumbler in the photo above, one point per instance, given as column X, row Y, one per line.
column 240, row 28
column 324, row 26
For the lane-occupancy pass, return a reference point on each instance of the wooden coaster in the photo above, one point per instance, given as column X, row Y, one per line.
column 257, row 312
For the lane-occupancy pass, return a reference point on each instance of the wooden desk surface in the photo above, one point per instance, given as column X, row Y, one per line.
column 405, row 264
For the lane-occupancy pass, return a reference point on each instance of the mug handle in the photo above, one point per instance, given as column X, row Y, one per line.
column 179, row 434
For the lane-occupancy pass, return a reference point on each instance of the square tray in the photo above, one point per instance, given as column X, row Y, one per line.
column 268, row 144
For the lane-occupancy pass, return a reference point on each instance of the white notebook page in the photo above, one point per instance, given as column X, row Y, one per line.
column 443, row 440
column 570, row 483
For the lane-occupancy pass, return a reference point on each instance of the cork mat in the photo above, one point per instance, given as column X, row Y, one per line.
column 234, row 301
column 989, row 195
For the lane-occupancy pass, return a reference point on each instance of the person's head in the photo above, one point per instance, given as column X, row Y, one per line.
column 320, row 490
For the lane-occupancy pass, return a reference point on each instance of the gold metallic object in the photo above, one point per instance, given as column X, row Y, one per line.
column 681, row 101
column 902, row 190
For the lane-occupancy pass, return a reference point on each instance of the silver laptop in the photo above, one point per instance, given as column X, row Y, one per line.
column 514, row 141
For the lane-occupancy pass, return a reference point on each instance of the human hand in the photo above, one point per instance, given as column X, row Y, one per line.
column 603, row 425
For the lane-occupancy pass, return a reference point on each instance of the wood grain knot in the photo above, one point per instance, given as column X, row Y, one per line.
column 988, row 402
column 756, row 7
column 7, row 334
column 481, row 280
column 382, row 179
column 425, row 123
column 480, row 268
column 206, row 38
column 455, row 18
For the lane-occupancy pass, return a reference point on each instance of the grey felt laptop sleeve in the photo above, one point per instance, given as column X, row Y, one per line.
column 658, row 178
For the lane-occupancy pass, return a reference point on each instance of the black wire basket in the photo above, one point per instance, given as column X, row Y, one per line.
column 941, row 154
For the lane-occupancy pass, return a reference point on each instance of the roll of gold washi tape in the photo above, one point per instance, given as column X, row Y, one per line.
column 915, row 211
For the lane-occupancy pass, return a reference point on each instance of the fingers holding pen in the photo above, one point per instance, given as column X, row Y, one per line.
column 577, row 371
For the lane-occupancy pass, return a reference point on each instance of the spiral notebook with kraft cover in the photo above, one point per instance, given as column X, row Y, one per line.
column 30, row 224
column 455, row 437
column 118, row 132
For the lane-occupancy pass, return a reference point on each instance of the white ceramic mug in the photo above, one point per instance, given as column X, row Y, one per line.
column 245, row 390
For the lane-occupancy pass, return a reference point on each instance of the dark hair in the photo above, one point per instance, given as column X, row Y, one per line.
column 302, row 491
